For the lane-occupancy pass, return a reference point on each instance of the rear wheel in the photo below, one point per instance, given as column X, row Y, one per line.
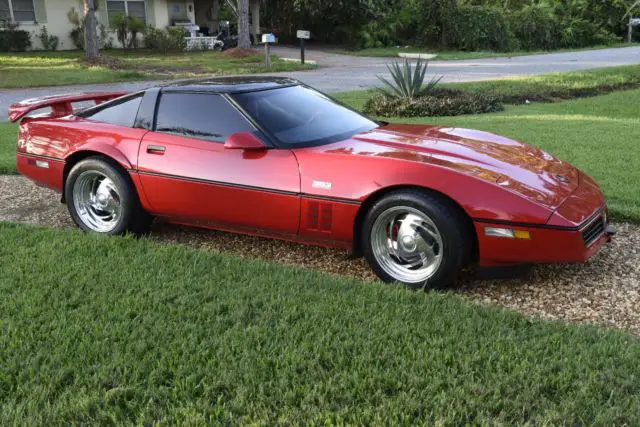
column 101, row 199
column 419, row 239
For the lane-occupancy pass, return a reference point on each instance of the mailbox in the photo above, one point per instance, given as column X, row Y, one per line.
column 268, row 38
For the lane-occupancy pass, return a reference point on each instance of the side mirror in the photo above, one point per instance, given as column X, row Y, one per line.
column 243, row 141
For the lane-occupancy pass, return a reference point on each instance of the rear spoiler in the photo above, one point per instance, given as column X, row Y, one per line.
column 61, row 105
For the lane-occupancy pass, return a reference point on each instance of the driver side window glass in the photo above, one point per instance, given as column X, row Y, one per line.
column 199, row 115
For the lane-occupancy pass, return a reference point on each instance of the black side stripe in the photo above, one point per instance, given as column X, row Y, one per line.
column 37, row 156
column 248, row 187
column 331, row 199
column 544, row 226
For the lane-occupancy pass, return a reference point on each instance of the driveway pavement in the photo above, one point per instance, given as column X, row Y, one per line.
column 343, row 72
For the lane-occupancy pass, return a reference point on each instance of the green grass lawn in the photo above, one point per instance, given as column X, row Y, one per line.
column 600, row 135
column 31, row 69
column 559, row 86
column 8, row 140
column 153, row 333
column 550, row 87
column 389, row 52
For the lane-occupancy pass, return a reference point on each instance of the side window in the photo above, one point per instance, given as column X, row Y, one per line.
column 199, row 115
column 120, row 113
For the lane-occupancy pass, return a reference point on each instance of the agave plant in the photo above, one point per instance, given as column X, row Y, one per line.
column 408, row 80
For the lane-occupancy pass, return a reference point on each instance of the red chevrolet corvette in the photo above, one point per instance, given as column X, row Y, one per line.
column 273, row 157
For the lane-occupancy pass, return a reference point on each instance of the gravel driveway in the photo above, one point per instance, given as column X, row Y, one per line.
column 606, row 290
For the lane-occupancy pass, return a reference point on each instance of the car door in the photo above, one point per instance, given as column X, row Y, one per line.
column 188, row 175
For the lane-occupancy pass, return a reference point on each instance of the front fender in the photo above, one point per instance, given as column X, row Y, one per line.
column 364, row 177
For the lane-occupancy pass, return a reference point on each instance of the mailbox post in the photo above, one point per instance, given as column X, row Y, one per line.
column 268, row 39
column 303, row 35
column 632, row 23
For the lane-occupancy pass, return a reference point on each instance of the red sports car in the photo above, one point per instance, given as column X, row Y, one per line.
column 273, row 157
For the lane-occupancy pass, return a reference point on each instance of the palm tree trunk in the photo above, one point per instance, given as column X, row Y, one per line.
column 244, row 40
column 90, row 30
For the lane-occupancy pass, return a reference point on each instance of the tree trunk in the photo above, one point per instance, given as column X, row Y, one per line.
column 90, row 30
column 244, row 40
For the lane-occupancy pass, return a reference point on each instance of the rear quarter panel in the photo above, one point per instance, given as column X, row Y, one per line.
column 58, row 139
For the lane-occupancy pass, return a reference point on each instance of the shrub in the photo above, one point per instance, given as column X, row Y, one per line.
column 120, row 24
column 77, row 32
column 165, row 40
column 408, row 82
column 578, row 32
column 48, row 41
column 433, row 21
column 376, row 34
column 77, row 37
column 127, row 29
column 13, row 39
column 153, row 38
column 536, row 27
column 482, row 28
column 440, row 102
column 105, row 41
column 135, row 26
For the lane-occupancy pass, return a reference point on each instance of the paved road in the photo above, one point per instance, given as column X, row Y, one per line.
column 341, row 72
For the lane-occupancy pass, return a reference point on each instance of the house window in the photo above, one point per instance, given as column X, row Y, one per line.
column 17, row 10
column 126, row 7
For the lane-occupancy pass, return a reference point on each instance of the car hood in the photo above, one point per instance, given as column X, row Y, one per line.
column 515, row 166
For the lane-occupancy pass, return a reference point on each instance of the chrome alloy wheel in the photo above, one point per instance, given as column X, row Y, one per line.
column 407, row 244
column 97, row 201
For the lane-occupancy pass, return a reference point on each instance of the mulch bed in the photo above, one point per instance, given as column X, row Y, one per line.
column 103, row 61
column 236, row 52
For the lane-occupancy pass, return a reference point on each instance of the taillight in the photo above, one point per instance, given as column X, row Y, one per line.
column 23, row 136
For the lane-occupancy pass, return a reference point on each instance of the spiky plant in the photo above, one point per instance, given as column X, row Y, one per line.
column 408, row 80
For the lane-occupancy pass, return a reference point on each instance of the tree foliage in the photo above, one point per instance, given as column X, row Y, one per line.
column 456, row 24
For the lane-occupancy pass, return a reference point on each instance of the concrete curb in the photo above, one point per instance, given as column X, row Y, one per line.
column 297, row 60
column 417, row 55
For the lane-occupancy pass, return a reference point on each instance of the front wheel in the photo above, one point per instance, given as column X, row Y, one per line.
column 101, row 199
column 416, row 238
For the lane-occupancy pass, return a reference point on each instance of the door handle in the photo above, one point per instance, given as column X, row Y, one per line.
column 156, row 149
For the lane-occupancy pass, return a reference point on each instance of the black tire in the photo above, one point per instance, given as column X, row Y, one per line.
column 452, row 224
column 133, row 219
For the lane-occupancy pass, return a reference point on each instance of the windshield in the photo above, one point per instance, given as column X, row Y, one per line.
column 301, row 117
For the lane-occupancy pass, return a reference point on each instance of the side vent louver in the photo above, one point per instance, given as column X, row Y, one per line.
column 313, row 216
column 326, row 218
column 319, row 216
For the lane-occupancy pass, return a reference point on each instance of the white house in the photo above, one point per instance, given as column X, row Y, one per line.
column 33, row 14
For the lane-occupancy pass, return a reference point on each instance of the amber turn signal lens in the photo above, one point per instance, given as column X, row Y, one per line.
column 507, row 233
column 521, row 234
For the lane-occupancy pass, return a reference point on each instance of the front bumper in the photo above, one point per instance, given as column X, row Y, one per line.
column 547, row 244
column 575, row 232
